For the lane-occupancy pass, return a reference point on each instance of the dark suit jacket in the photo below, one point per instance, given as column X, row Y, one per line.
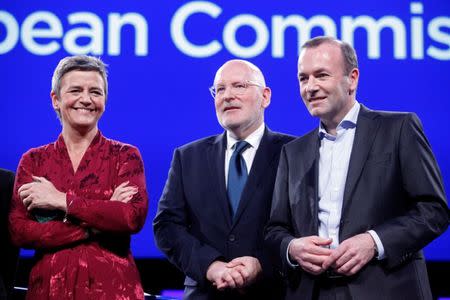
column 10, row 253
column 194, row 225
column 393, row 186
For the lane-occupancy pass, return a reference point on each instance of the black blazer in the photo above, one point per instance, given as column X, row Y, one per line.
column 10, row 253
column 393, row 186
column 194, row 226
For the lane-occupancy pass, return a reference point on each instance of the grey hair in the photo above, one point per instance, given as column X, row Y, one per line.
column 78, row 63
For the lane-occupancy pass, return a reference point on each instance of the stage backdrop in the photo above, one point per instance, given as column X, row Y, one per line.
column 163, row 55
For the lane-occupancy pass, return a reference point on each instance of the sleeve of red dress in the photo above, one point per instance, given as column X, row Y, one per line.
column 116, row 216
column 28, row 233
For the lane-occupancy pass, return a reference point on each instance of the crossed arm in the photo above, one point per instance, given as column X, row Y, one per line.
column 124, row 214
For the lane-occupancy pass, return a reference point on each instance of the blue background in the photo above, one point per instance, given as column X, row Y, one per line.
column 160, row 100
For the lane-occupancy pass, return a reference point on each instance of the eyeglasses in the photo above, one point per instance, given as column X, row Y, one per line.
column 237, row 88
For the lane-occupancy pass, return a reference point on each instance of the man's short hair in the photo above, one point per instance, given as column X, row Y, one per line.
column 78, row 63
column 348, row 52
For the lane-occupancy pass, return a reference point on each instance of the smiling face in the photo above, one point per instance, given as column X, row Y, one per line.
column 242, row 113
column 326, row 90
column 81, row 100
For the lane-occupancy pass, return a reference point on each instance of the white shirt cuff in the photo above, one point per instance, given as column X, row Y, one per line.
column 293, row 265
column 377, row 241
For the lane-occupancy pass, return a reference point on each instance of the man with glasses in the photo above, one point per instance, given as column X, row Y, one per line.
column 357, row 198
column 217, row 198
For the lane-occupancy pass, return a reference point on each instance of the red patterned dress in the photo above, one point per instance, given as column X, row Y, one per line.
column 71, row 263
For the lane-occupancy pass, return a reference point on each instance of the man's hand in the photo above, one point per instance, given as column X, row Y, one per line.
column 41, row 193
column 351, row 255
column 249, row 268
column 310, row 252
column 223, row 277
column 124, row 192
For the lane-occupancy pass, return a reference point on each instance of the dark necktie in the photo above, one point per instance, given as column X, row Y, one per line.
column 237, row 175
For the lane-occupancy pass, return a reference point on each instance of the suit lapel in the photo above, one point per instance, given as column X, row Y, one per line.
column 366, row 130
column 264, row 156
column 309, row 189
column 216, row 161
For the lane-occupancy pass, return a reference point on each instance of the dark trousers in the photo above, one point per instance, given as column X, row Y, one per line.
column 326, row 288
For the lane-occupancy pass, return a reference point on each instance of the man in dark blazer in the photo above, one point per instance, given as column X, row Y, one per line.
column 9, row 252
column 357, row 199
column 216, row 242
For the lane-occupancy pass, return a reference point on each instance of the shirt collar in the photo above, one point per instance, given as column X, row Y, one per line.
column 349, row 121
column 254, row 139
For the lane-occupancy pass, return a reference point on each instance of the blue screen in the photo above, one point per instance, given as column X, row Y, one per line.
column 163, row 55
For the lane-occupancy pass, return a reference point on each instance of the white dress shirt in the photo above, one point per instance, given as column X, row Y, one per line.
column 334, row 159
column 254, row 139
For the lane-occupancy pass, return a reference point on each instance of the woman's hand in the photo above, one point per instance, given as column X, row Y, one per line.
column 124, row 192
column 41, row 193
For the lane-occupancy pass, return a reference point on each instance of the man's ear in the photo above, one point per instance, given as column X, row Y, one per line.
column 353, row 78
column 267, row 94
